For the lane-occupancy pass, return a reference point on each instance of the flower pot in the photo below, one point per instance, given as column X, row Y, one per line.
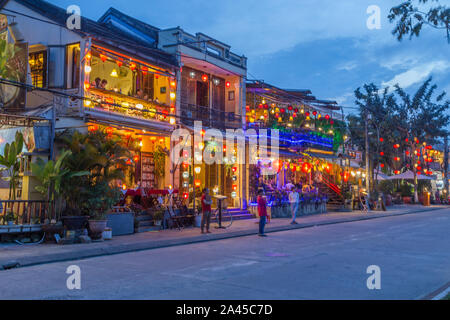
column 107, row 234
column 74, row 222
column 198, row 221
column 96, row 228
column 407, row 200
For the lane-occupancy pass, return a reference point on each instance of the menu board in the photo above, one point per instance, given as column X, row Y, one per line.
column 148, row 171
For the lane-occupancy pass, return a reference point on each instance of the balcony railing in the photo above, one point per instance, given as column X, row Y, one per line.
column 210, row 117
column 22, row 212
column 129, row 106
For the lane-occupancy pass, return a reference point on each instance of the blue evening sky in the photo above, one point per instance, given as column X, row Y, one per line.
column 322, row 45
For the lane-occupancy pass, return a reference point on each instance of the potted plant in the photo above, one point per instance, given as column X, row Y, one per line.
column 102, row 198
column 158, row 216
column 406, row 193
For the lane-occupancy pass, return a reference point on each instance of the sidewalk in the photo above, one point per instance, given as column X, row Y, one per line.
column 28, row 255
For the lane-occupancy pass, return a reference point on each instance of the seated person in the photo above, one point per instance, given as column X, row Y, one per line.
column 139, row 94
column 103, row 84
column 97, row 82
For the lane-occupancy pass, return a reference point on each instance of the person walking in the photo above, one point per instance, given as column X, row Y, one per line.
column 262, row 212
column 294, row 199
column 206, row 210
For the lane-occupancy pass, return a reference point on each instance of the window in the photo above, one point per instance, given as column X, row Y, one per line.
column 56, row 69
column 147, row 85
column 73, row 66
column 38, row 67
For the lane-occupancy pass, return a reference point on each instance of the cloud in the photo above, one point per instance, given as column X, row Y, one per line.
column 417, row 74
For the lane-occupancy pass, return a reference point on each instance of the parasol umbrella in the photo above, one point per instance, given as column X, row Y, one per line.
column 381, row 176
column 409, row 175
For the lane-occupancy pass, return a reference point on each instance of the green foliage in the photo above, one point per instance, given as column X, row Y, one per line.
column 410, row 18
column 160, row 161
column 7, row 52
column 103, row 157
column 386, row 186
column 10, row 163
column 406, row 190
column 102, row 198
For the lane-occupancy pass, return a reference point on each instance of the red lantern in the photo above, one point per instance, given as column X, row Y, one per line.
column 331, row 121
column 307, row 114
column 128, row 161
column 136, row 158
column 290, row 108
column 296, row 110
column 235, row 187
column 234, row 169
column 406, row 140
column 407, row 152
column 109, row 131
column 227, row 84
column 382, row 165
column 87, row 86
column 327, row 117
column 197, row 183
column 282, row 110
column 185, row 195
column 103, row 57
column 205, row 77
column 315, row 113
column 119, row 63
column 381, row 139
column 396, row 146
column 133, row 66
column 381, row 153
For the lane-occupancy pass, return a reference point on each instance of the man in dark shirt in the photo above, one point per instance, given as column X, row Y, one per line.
column 206, row 210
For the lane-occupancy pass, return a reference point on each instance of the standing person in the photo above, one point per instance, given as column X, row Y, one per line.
column 262, row 212
column 294, row 199
column 206, row 210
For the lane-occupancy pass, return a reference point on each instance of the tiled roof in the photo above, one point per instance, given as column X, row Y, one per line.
column 95, row 29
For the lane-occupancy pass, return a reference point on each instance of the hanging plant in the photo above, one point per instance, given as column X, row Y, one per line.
column 160, row 161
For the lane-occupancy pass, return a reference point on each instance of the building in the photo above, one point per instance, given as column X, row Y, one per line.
column 211, row 89
column 94, row 78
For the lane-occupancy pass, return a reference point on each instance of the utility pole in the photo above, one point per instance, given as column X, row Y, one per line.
column 446, row 185
column 366, row 132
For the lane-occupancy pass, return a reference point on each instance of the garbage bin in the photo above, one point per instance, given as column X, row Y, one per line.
column 426, row 199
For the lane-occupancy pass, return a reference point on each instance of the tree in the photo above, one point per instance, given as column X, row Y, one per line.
column 410, row 19
column 378, row 105
column 420, row 119
column 10, row 162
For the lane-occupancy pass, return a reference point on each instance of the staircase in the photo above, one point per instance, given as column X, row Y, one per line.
column 333, row 192
column 144, row 224
column 240, row 214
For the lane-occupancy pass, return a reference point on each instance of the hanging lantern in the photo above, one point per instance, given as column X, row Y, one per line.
column 185, row 195
column 314, row 113
column 396, row 146
column 397, row 159
column 132, row 66
column 327, row 117
column 186, row 174
column 331, row 121
column 381, row 139
column 282, row 110
column 296, row 110
column 233, row 194
column 290, row 108
column 119, row 63
column 381, row 153
column 227, row 84
column 109, row 131
column 87, row 85
column 103, row 57
column 88, row 56
column 198, row 170
column 234, row 169
column 307, row 114
column 197, row 183
column 204, row 77
column 136, row 158
column 235, row 187
column 382, row 165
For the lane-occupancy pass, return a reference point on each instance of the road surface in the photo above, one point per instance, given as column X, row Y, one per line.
column 325, row 262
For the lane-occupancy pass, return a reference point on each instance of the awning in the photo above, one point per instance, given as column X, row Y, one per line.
column 322, row 155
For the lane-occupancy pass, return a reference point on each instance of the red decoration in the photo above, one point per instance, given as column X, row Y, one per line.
column 315, row 113
column 103, row 57
column 381, row 153
column 381, row 139
column 109, row 131
column 185, row 195
column 396, row 146
column 119, row 63
column 136, row 158
column 296, row 110
column 406, row 140
column 227, row 84
column 205, row 77
column 133, row 66
column 282, row 110
column 382, row 165
column 331, row 121
column 327, row 117
column 234, row 169
column 307, row 114
column 290, row 108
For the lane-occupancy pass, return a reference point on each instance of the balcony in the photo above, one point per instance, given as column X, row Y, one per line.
column 210, row 117
column 114, row 105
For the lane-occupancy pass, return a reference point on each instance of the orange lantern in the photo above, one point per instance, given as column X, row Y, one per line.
column 197, row 183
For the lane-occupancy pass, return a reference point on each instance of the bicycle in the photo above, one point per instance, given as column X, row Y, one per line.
column 227, row 218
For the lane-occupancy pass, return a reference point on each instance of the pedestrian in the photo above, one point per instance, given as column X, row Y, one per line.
column 206, row 210
column 262, row 212
column 294, row 199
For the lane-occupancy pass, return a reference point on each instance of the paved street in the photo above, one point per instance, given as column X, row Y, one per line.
column 325, row 262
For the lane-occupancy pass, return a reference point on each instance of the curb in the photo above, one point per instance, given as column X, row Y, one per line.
column 438, row 294
column 150, row 245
